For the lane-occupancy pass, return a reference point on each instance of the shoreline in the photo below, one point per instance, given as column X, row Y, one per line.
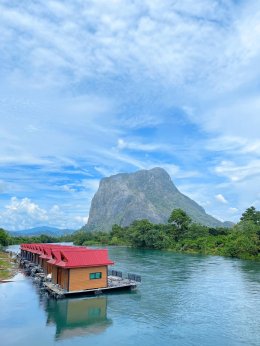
column 8, row 267
column 184, row 252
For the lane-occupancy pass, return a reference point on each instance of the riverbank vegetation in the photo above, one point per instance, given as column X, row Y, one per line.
column 182, row 235
column 7, row 266
column 179, row 234
column 6, row 239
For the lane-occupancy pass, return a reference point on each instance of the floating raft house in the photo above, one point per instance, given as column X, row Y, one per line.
column 69, row 270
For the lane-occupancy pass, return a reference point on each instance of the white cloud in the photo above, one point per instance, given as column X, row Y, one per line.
column 90, row 184
column 233, row 210
column 4, row 186
column 140, row 121
column 67, row 188
column 172, row 169
column 106, row 171
column 237, row 118
column 81, row 219
column 201, row 57
column 240, row 149
column 236, row 172
column 55, row 209
column 27, row 207
column 65, row 125
column 122, row 144
column 23, row 213
column 120, row 33
column 200, row 193
column 221, row 198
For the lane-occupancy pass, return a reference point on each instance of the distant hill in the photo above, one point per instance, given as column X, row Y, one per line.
column 145, row 194
column 42, row 230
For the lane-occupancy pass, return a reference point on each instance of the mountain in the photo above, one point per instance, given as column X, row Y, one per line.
column 145, row 194
column 42, row 230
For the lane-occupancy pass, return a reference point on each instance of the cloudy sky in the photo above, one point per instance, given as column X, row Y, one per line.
column 94, row 88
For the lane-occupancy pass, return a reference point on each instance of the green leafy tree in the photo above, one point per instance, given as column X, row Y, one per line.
column 81, row 236
column 218, row 231
column 241, row 245
column 157, row 238
column 119, row 235
column 180, row 218
column 251, row 214
column 196, row 230
column 180, row 222
column 138, row 232
column 4, row 238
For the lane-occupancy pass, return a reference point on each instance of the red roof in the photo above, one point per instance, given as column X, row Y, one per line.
column 85, row 258
column 46, row 253
column 37, row 247
column 67, row 256
column 56, row 257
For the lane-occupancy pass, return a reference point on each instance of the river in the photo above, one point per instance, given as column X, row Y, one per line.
column 183, row 300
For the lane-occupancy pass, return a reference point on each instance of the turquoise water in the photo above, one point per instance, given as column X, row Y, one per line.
column 183, row 300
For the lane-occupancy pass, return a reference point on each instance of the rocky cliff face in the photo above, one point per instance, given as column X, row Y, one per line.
column 146, row 194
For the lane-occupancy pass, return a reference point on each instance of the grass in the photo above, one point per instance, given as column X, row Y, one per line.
column 6, row 266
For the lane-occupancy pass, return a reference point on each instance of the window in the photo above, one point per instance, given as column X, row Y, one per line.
column 94, row 276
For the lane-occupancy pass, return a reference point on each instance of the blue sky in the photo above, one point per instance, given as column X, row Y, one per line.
column 94, row 88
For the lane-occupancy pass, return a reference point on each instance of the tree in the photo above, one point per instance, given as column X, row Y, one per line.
column 180, row 223
column 81, row 236
column 138, row 232
column 218, row 231
column 180, row 218
column 251, row 214
column 197, row 230
column 156, row 238
column 117, row 231
column 243, row 243
column 3, row 237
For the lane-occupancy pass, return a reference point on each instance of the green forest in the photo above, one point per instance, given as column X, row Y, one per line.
column 179, row 234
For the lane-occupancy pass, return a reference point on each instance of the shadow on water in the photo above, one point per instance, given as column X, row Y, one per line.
column 77, row 317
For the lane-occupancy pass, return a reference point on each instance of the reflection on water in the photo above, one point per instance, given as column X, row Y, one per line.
column 75, row 317
column 184, row 300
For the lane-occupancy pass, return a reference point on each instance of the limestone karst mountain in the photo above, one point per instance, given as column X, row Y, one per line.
column 145, row 194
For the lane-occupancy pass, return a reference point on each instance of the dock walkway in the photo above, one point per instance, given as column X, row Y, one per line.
column 114, row 284
column 116, row 281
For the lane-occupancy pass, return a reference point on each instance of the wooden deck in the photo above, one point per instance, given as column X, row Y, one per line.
column 114, row 284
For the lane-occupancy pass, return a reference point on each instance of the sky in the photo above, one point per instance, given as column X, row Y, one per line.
column 94, row 88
